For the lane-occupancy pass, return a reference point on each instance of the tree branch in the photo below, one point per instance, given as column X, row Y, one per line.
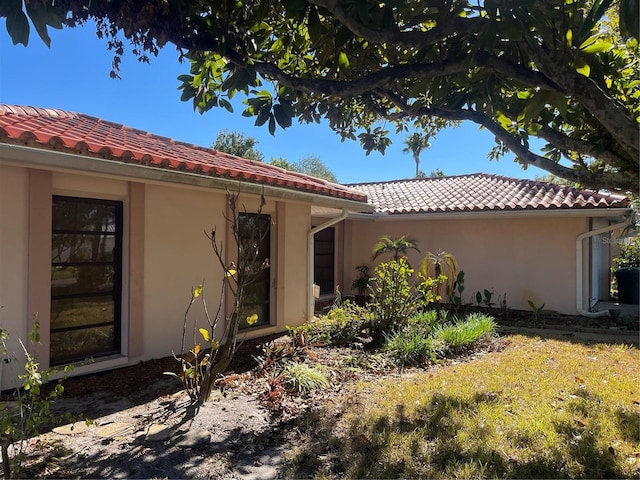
column 609, row 113
column 387, row 75
column 577, row 145
column 581, row 175
column 414, row 38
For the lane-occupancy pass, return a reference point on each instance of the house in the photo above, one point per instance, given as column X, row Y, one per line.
column 103, row 236
column 528, row 240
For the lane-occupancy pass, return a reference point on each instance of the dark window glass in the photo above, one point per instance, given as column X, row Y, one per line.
column 324, row 260
column 86, row 266
column 254, row 235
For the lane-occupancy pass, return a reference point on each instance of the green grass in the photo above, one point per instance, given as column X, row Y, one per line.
column 304, row 379
column 537, row 409
column 413, row 345
column 423, row 339
column 464, row 333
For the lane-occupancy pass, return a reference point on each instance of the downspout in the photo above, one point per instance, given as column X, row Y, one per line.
column 579, row 240
column 310, row 235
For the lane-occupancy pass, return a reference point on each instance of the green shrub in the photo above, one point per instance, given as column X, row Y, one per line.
column 463, row 333
column 302, row 379
column 392, row 298
column 429, row 318
column 413, row 344
column 344, row 323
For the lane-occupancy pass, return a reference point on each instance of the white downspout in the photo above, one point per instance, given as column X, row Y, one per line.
column 312, row 232
column 579, row 240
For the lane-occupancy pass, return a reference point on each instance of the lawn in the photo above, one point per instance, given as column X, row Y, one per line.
column 536, row 409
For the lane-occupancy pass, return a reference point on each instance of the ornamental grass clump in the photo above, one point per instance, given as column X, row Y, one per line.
column 302, row 379
column 413, row 345
column 462, row 334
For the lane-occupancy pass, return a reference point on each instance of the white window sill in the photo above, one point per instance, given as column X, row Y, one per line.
column 98, row 365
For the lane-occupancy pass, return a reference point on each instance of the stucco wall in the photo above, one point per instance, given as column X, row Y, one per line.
column 13, row 259
column 169, row 255
column 526, row 258
column 292, row 282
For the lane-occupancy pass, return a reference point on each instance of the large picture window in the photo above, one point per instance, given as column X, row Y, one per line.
column 254, row 236
column 86, row 279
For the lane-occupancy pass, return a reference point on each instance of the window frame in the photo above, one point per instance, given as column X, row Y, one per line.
column 115, row 293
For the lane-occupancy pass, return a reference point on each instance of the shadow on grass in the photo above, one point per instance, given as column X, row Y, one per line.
column 430, row 448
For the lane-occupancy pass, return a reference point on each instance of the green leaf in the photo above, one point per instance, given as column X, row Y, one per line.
column 205, row 334
column 583, row 69
column 593, row 45
column 569, row 37
column 18, row 27
column 343, row 60
column 272, row 125
column 283, row 115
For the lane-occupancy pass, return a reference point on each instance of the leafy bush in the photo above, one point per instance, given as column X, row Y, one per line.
column 463, row 333
column 32, row 407
column 428, row 318
column 392, row 298
column 629, row 256
column 302, row 378
column 413, row 344
column 344, row 323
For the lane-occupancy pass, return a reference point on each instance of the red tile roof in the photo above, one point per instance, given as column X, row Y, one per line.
column 480, row 192
column 84, row 135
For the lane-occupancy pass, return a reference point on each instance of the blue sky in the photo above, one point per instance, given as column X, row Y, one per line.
column 73, row 75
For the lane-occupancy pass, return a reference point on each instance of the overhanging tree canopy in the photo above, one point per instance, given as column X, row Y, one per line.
column 560, row 70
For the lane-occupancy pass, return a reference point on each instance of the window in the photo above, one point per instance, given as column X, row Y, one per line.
column 86, row 278
column 324, row 260
column 254, row 236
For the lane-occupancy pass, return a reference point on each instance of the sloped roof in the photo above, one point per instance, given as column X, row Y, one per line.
column 88, row 136
column 480, row 192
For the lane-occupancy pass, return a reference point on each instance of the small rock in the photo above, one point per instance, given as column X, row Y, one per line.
column 158, row 433
column 114, row 429
column 194, row 439
column 72, row 428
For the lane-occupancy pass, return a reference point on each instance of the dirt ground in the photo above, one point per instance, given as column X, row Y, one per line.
column 140, row 429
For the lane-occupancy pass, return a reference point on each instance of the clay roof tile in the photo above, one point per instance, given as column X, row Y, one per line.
column 49, row 128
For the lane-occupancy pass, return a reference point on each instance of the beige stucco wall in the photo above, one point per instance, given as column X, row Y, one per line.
column 13, row 259
column 178, row 257
column 526, row 258
column 169, row 255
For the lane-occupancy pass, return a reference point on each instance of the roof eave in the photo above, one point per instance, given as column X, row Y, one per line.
column 610, row 212
column 19, row 155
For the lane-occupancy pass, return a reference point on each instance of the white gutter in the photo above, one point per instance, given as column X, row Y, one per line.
column 579, row 240
column 310, row 235
column 564, row 213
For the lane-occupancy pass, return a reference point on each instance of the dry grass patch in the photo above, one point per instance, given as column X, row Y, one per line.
column 539, row 408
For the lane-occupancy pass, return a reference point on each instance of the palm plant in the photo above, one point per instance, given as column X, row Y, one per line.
column 440, row 263
column 398, row 246
column 415, row 144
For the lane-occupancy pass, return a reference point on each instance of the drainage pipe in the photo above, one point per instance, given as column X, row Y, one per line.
column 579, row 279
column 310, row 235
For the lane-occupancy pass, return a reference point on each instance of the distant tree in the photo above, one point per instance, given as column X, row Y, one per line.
column 238, row 144
column 281, row 162
column 311, row 165
column 550, row 178
column 437, row 173
column 415, row 144
column 314, row 166
column 398, row 246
